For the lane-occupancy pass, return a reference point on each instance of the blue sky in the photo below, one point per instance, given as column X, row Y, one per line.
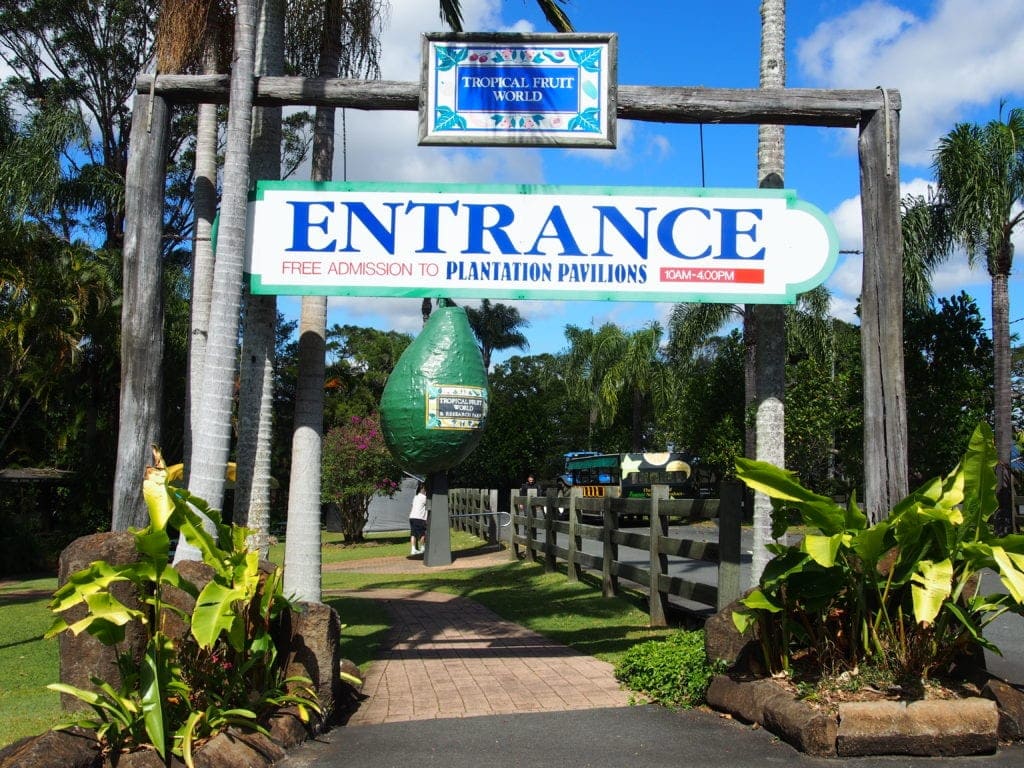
column 951, row 60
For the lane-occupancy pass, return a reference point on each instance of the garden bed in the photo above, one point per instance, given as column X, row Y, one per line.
column 926, row 727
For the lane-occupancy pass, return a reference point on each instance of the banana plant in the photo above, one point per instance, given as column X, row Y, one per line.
column 160, row 700
column 904, row 592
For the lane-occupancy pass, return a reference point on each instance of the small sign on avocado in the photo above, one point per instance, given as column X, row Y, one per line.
column 452, row 406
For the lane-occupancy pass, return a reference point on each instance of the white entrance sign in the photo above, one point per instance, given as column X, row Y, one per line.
column 536, row 242
column 537, row 89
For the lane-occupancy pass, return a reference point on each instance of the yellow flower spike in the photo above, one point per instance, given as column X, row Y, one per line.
column 154, row 491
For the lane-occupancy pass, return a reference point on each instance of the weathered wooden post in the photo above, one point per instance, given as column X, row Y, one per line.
column 550, row 513
column 572, row 566
column 658, row 560
column 610, row 550
column 885, row 412
column 513, row 526
column 531, row 526
column 489, row 499
column 730, row 513
column 142, row 308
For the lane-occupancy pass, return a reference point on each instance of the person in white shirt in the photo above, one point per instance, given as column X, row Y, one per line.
column 418, row 521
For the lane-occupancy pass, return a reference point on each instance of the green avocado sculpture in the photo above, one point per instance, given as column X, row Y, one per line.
column 434, row 406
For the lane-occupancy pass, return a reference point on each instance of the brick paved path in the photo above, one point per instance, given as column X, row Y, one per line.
column 447, row 656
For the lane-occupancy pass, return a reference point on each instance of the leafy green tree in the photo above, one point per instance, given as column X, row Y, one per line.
column 356, row 467
column 707, row 417
column 977, row 206
column 823, row 417
column 59, row 321
column 496, row 327
column 807, row 325
column 86, row 54
column 360, row 361
column 947, row 358
column 639, row 376
column 588, row 363
column 530, row 425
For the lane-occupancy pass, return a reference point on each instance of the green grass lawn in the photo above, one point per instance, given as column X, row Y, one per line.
column 572, row 614
column 27, row 662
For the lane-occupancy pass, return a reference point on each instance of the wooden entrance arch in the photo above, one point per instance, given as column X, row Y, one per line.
column 875, row 113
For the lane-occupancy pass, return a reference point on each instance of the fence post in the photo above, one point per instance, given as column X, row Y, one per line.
column 730, row 513
column 493, row 528
column 550, row 511
column 531, row 526
column 513, row 527
column 658, row 562
column 610, row 550
column 572, row 567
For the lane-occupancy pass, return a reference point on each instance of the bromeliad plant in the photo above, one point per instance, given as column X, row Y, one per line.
column 182, row 689
column 903, row 594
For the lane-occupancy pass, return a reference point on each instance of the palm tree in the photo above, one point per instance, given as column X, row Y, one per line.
column 980, row 175
column 590, row 357
column 212, row 432
column 920, row 224
column 638, row 371
column 348, row 43
column 692, row 325
column 256, row 376
column 496, row 327
column 770, row 354
column 204, row 202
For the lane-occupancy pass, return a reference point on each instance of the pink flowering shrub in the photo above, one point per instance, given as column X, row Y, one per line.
column 356, row 467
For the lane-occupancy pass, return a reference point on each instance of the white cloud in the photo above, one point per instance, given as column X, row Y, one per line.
column 952, row 275
column 964, row 55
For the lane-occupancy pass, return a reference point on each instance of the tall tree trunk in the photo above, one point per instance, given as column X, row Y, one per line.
column 770, row 319
column 204, row 202
column 302, row 538
column 256, row 387
column 142, row 311
column 212, row 432
column 1003, row 523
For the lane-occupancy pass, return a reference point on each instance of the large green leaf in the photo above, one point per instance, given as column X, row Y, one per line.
column 758, row 600
column 96, row 577
column 871, row 543
column 154, row 544
column 1011, row 571
column 979, row 470
column 932, row 584
column 823, row 549
column 816, row 510
column 154, row 675
column 214, row 613
column 781, row 567
column 774, row 482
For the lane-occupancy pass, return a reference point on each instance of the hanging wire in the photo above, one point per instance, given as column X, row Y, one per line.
column 700, row 129
column 344, row 148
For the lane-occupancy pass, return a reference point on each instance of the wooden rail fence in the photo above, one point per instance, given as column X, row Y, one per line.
column 475, row 510
column 535, row 524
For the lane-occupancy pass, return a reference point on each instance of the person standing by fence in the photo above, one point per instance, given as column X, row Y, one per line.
column 418, row 521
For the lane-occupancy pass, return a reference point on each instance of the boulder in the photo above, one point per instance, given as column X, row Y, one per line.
column 723, row 642
column 71, row 748
column 1010, row 700
column 82, row 656
column 314, row 636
